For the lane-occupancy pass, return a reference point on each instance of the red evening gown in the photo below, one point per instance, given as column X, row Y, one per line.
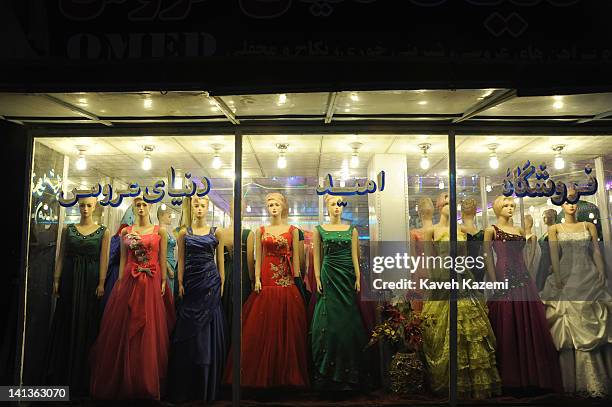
column 526, row 356
column 130, row 357
column 274, row 329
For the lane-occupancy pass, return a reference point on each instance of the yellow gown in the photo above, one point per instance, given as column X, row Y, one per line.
column 478, row 377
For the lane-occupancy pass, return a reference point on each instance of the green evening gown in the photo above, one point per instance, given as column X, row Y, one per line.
column 478, row 376
column 227, row 286
column 77, row 313
column 337, row 334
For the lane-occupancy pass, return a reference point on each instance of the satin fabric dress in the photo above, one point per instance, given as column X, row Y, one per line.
column 580, row 317
column 77, row 314
column 337, row 334
column 274, row 329
column 526, row 356
column 199, row 344
column 171, row 260
column 477, row 375
column 130, row 357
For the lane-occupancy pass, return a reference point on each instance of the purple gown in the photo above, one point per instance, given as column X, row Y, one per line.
column 199, row 347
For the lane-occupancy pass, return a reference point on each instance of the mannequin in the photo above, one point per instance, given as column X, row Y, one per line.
column 532, row 252
column 549, row 218
column 227, row 264
column 337, row 333
column 579, row 306
column 199, row 344
column 478, row 377
column 129, row 358
column 78, row 284
column 426, row 210
column 473, row 234
column 164, row 217
column 517, row 313
column 274, row 352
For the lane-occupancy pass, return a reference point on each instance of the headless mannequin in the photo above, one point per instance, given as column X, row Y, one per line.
column 143, row 226
column 335, row 225
column 278, row 226
column 199, row 227
column 504, row 223
column 85, row 227
column 227, row 235
column 571, row 225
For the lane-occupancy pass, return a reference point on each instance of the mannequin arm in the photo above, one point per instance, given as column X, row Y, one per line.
column 123, row 256
column 355, row 255
column 428, row 236
column 488, row 253
column 59, row 263
column 250, row 256
column 597, row 258
column 531, row 252
column 180, row 244
column 316, row 245
column 259, row 253
column 104, row 252
column 295, row 256
column 302, row 256
column 554, row 254
column 220, row 235
column 163, row 257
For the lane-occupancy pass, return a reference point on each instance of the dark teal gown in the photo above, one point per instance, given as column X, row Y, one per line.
column 337, row 334
column 77, row 313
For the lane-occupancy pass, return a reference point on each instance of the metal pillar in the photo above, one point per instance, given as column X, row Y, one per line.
column 602, row 202
column 452, row 178
column 237, row 271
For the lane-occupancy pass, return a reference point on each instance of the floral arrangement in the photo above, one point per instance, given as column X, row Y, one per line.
column 401, row 327
column 134, row 242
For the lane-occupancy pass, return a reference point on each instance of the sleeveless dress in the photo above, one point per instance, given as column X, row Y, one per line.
column 171, row 260
column 112, row 273
column 274, row 350
column 199, row 343
column 77, row 314
column 228, row 286
column 337, row 334
column 526, row 356
column 477, row 375
column 130, row 357
column 580, row 317
column 474, row 242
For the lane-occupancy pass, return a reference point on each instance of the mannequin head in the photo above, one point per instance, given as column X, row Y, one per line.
column 87, row 206
column 468, row 208
column 276, row 203
column 442, row 203
column 199, row 207
column 426, row 208
column 504, row 206
column 528, row 222
column 164, row 215
column 331, row 202
column 141, row 208
column 549, row 217
column 569, row 209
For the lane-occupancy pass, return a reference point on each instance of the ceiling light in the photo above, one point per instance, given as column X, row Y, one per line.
column 146, row 162
column 163, row 207
column 216, row 162
column 248, row 208
column 423, row 102
column 493, row 160
column 81, row 163
column 354, row 97
column 488, row 188
column 559, row 161
column 591, row 215
column 558, row 102
column 347, row 110
column 441, row 184
column 148, row 103
column 424, row 159
column 532, row 209
column 355, row 156
column 282, row 159
column 282, row 98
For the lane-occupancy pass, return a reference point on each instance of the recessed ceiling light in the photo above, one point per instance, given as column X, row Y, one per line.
column 354, row 97
column 423, row 102
column 558, row 105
